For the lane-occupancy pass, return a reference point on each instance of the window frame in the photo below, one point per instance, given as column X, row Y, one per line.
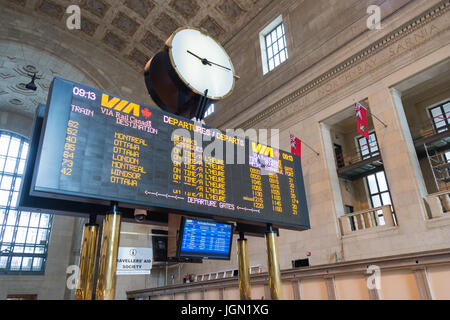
column 379, row 194
column 371, row 153
column 34, row 229
column 268, row 30
column 433, row 122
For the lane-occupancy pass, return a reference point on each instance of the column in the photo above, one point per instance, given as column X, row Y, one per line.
column 273, row 265
column 244, row 268
column 106, row 283
column 88, row 260
column 399, row 157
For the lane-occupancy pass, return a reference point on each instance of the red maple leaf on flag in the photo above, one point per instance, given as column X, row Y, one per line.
column 146, row 113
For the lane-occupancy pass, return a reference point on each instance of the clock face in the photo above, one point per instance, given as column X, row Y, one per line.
column 201, row 63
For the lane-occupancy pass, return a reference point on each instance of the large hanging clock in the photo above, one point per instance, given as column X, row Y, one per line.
column 192, row 71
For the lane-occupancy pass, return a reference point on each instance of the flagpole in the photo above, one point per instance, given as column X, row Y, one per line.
column 385, row 125
column 303, row 142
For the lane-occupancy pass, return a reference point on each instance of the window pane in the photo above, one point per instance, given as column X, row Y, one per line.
column 24, row 218
column 3, row 262
column 6, row 182
column 17, row 184
column 269, row 52
column 18, row 249
column 9, row 232
column 275, row 48
column 268, row 40
column 10, row 165
column 282, row 56
column 271, row 65
column 2, row 216
column 279, row 32
column 34, row 221
column 15, row 263
column 45, row 220
column 26, row 263
column 436, row 112
column 12, row 218
column 29, row 249
column 31, row 237
column 39, row 249
column 14, row 197
column 21, row 235
column 2, row 162
column 4, row 144
column 372, row 184
column 386, row 199
column 376, row 201
column 274, row 36
column 14, row 146
column 42, row 236
column 277, row 60
column 382, row 181
column 4, row 196
column 37, row 264
column 281, row 44
column 21, row 167
column 24, row 152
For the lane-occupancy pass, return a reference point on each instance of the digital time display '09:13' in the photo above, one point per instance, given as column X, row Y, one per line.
column 83, row 93
column 69, row 148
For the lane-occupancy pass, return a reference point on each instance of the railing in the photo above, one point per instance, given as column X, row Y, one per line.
column 439, row 204
column 225, row 274
column 430, row 127
column 316, row 277
column 372, row 218
column 356, row 155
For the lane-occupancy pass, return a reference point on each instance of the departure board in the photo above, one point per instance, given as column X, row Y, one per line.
column 205, row 239
column 98, row 147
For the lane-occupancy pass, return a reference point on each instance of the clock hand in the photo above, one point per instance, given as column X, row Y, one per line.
column 207, row 62
column 219, row 65
column 203, row 60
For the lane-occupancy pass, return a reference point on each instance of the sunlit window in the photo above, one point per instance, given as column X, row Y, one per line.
column 273, row 45
column 209, row 111
column 379, row 193
column 24, row 235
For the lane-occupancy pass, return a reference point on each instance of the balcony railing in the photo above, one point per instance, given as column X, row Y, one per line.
column 368, row 219
column 439, row 204
column 430, row 128
column 355, row 156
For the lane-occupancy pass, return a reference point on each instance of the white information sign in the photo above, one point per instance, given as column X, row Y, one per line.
column 134, row 260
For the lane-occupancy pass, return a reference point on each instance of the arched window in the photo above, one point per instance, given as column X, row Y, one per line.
column 24, row 235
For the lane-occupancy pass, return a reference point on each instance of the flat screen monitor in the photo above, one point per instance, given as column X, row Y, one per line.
column 205, row 239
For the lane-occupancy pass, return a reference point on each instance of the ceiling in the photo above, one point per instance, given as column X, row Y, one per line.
column 134, row 30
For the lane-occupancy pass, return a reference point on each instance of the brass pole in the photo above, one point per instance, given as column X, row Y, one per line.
column 244, row 271
column 88, row 259
column 274, row 265
column 106, row 283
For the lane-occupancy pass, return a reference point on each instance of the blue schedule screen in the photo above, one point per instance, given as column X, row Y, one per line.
column 205, row 239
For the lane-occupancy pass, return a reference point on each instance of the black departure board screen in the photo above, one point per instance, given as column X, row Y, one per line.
column 99, row 147
column 205, row 239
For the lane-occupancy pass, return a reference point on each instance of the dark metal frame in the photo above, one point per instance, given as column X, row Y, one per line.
column 10, row 252
column 371, row 153
column 447, row 121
